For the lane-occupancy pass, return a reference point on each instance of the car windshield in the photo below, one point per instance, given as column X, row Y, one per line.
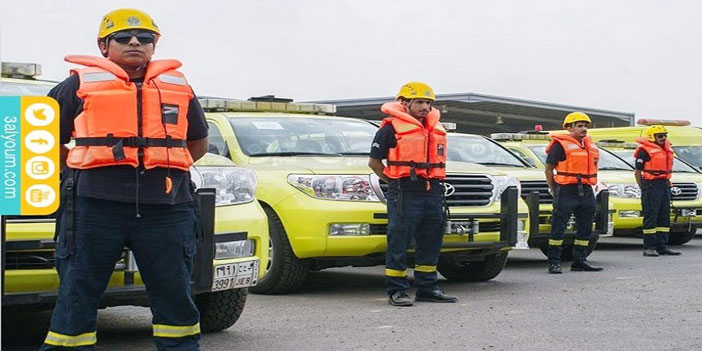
column 607, row 161
column 292, row 136
column 477, row 149
column 690, row 154
column 679, row 166
column 24, row 89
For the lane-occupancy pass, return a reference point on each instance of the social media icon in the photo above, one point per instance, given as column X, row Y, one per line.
column 40, row 167
column 39, row 141
column 39, row 114
column 40, row 195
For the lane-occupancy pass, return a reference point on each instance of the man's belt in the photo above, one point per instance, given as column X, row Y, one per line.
column 134, row 141
column 657, row 172
column 577, row 175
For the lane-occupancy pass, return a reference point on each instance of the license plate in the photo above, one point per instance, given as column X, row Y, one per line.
column 235, row 275
column 686, row 212
column 461, row 227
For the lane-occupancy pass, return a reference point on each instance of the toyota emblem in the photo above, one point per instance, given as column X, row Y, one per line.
column 449, row 189
column 675, row 191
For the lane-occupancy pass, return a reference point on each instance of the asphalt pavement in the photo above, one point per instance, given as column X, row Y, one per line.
column 636, row 303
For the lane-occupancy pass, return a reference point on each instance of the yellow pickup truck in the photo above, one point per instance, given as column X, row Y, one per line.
column 488, row 152
column 325, row 207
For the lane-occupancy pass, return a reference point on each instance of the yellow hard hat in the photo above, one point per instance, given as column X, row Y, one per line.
column 576, row 117
column 122, row 19
column 416, row 90
column 651, row 132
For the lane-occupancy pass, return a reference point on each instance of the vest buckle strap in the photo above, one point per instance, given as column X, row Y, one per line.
column 133, row 141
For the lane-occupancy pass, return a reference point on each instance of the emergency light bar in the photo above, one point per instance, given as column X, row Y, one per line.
column 449, row 126
column 518, row 136
column 664, row 122
column 617, row 143
column 20, row 70
column 232, row 105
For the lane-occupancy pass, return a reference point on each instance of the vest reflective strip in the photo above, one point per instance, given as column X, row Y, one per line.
column 93, row 77
column 663, row 229
column 172, row 79
column 175, row 331
column 582, row 242
column 649, row 231
column 395, row 273
column 57, row 339
column 553, row 242
column 425, row 269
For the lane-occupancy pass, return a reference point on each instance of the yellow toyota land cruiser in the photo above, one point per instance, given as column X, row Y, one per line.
column 324, row 207
column 686, row 194
column 686, row 140
column 232, row 250
column 487, row 152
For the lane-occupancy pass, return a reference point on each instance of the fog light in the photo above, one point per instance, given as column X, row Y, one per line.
column 629, row 214
column 234, row 249
column 349, row 229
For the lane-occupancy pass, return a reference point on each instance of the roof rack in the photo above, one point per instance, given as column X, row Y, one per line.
column 20, row 70
column 663, row 122
column 617, row 143
column 233, row 105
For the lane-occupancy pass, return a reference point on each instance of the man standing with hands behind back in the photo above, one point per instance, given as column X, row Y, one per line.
column 138, row 128
column 574, row 157
column 414, row 143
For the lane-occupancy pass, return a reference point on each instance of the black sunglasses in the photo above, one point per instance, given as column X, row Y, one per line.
column 125, row 37
column 661, row 135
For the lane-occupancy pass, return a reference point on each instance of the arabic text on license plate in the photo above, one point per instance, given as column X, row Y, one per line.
column 235, row 275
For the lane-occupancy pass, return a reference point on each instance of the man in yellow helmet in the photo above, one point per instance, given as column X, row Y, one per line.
column 654, row 167
column 574, row 158
column 137, row 128
column 416, row 165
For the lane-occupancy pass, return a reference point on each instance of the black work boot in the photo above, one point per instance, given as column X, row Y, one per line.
column 584, row 266
column 554, row 268
column 400, row 298
column 669, row 252
column 435, row 296
column 650, row 253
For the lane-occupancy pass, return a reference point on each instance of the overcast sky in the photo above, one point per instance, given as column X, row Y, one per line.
column 639, row 56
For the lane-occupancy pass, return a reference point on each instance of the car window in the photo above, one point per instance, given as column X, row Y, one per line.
column 477, row 149
column 217, row 144
column 607, row 160
column 265, row 136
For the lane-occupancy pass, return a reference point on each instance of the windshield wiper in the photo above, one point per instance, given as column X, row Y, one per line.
column 295, row 153
column 354, row 153
column 498, row 164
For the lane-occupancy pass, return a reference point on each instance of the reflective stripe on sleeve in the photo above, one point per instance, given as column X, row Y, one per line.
column 554, row 242
column 425, row 269
column 57, row 339
column 175, row 331
column 395, row 273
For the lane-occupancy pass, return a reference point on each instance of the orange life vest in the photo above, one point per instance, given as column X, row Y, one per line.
column 661, row 164
column 420, row 150
column 580, row 165
column 126, row 123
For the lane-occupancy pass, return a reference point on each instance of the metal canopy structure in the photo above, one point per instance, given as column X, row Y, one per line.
column 485, row 114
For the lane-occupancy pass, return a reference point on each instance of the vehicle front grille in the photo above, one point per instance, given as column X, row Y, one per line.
column 684, row 191
column 483, row 227
column 539, row 186
column 464, row 190
column 29, row 260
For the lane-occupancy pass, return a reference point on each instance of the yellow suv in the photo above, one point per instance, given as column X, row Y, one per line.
column 324, row 207
column 488, row 152
column 232, row 250
column 686, row 194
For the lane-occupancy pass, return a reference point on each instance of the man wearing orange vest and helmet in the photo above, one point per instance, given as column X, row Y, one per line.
column 654, row 167
column 414, row 144
column 137, row 128
column 574, row 158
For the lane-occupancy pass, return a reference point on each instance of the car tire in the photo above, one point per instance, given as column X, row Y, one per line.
column 287, row 273
column 479, row 271
column 680, row 238
column 219, row 310
column 567, row 250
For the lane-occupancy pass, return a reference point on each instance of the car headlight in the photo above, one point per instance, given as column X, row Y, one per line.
column 234, row 249
column 699, row 191
column 501, row 184
column 335, row 187
column 234, row 185
column 624, row 190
